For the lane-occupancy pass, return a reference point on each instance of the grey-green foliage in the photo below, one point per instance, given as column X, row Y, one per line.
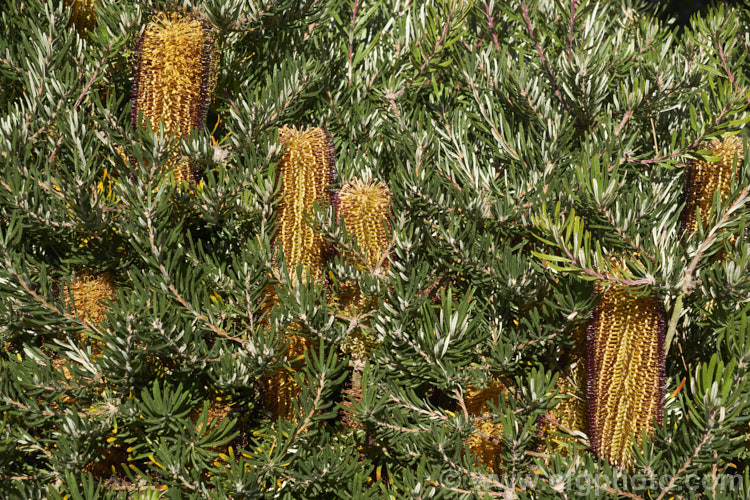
column 524, row 142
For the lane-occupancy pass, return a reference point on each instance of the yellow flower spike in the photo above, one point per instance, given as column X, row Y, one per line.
column 82, row 14
column 305, row 173
column 476, row 400
column 90, row 293
column 365, row 208
column 703, row 178
column 306, row 170
column 174, row 79
column 625, row 371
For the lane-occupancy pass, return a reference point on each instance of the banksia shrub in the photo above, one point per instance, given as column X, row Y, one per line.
column 704, row 177
column 520, row 141
column 174, row 78
column 625, row 370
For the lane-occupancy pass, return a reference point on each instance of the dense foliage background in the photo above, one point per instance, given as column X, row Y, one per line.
column 524, row 142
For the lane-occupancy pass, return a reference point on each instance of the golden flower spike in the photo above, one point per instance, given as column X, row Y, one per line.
column 365, row 209
column 703, row 178
column 89, row 293
column 625, row 371
column 174, row 79
column 484, row 442
column 306, row 172
column 83, row 14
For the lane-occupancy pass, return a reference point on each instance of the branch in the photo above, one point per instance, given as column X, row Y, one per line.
column 491, row 25
column 570, row 29
column 168, row 280
column 604, row 277
column 689, row 284
column 545, row 64
column 683, row 468
column 729, row 72
column 350, row 55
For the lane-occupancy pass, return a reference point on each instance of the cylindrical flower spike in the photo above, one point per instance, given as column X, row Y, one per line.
column 484, row 442
column 174, row 78
column 83, row 14
column 704, row 178
column 625, row 371
column 306, row 172
column 89, row 293
column 365, row 209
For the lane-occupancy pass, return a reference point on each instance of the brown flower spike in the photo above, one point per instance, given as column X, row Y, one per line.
column 625, row 370
column 704, row 178
column 174, row 78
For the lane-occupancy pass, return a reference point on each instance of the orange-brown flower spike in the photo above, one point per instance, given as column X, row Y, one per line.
column 484, row 442
column 703, row 178
column 306, row 171
column 82, row 14
column 365, row 208
column 89, row 294
column 174, row 78
column 625, row 371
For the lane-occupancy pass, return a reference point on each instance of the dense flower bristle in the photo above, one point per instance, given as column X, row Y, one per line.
column 703, row 178
column 305, row 174
column 625, row 371
column 172, row 72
